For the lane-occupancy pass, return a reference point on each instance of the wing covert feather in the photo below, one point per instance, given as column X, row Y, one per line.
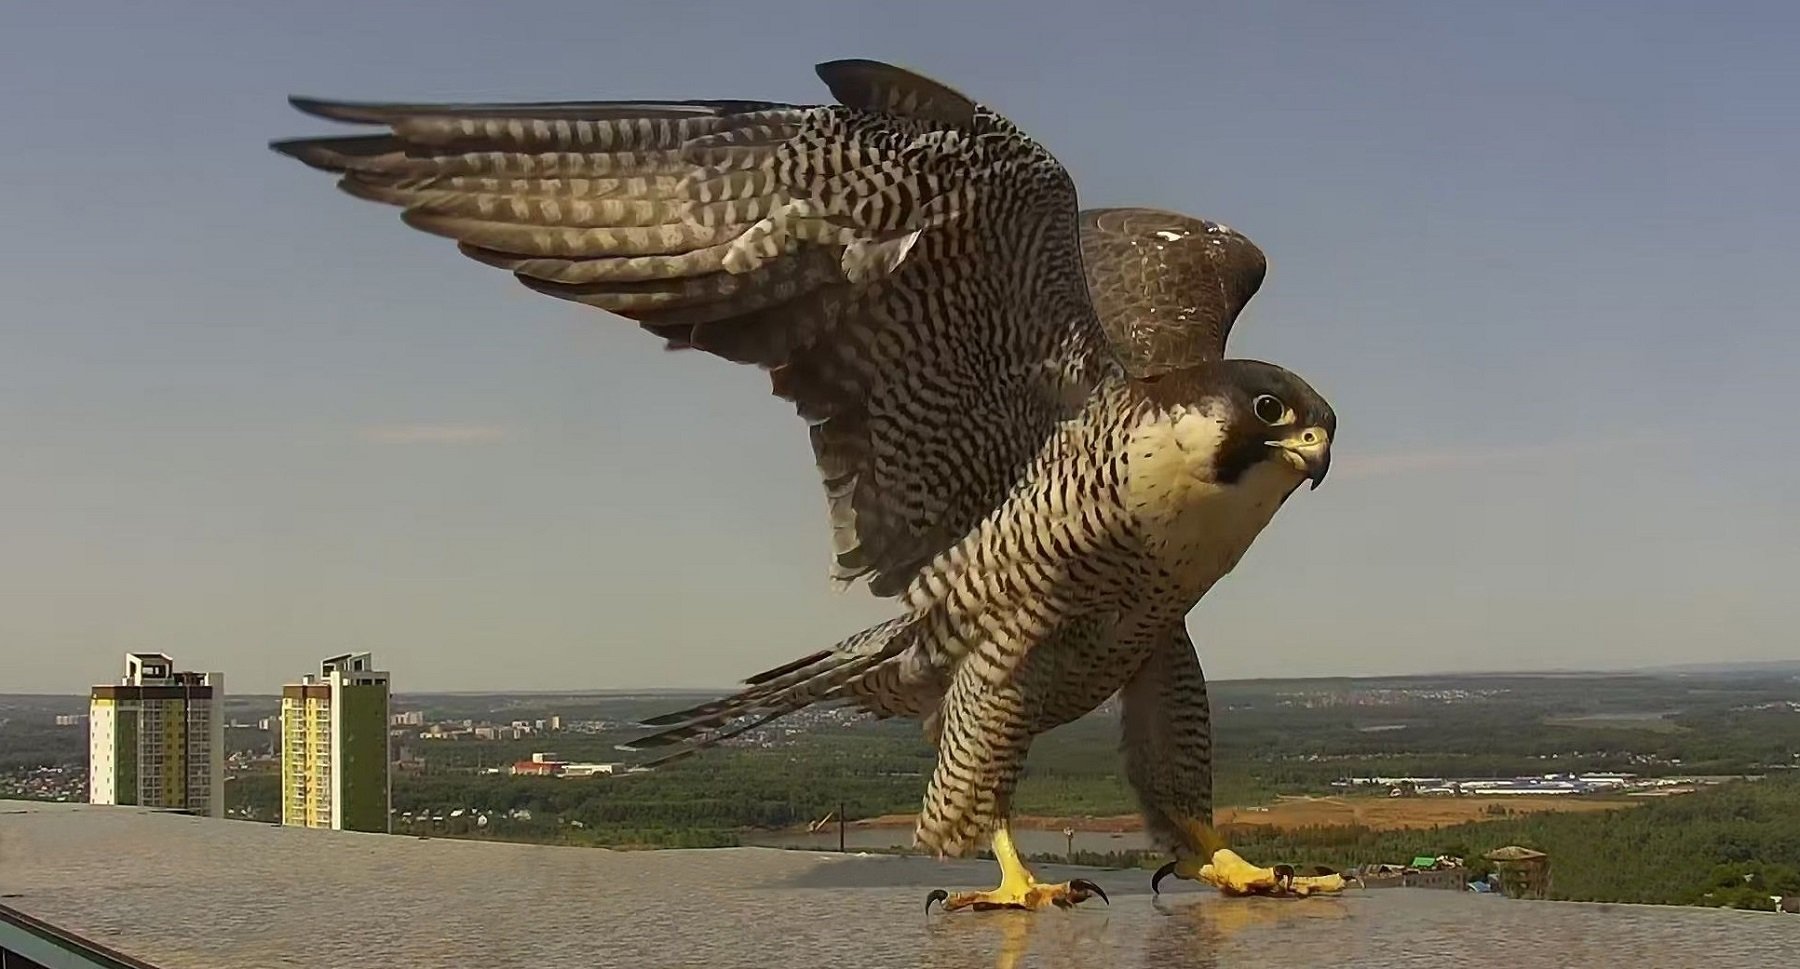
column 1167, row 287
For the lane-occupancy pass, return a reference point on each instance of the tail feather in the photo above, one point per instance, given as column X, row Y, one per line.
column 761, row 686
column 722, row 736
column 786, row 668
column 818, row 678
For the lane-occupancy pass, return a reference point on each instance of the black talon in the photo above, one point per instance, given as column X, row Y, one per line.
column 937, row 895
column 1156, row 879
column 1088, row 886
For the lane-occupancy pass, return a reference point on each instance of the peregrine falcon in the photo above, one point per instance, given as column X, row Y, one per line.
column 1047, row 467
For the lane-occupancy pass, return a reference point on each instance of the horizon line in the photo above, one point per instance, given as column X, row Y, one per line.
column 1725, row 667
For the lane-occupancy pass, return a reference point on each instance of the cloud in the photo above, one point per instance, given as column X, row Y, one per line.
column 433, row 433
column 1445, row 459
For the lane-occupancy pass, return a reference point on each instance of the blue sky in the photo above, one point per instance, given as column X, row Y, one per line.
column 1540, row 257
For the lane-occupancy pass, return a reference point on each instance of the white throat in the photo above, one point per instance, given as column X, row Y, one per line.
column 1196, row 528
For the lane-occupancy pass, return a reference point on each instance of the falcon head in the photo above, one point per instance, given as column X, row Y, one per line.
column 1272, row 415
column 1254, row 414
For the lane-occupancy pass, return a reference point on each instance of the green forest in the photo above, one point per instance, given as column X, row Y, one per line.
column 1733, row 845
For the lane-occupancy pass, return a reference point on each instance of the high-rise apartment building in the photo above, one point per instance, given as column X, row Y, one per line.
column 334, row 747
column 157, row 738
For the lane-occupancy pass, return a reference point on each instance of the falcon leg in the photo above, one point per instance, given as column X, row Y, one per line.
column 1226, row 870
column 1018, row 889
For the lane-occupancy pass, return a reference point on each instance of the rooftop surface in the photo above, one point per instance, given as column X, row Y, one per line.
column 180, row 892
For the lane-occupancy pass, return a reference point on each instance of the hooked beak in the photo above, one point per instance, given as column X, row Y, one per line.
column 1309, row 451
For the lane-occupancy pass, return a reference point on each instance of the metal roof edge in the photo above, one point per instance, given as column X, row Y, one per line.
column 56, row 948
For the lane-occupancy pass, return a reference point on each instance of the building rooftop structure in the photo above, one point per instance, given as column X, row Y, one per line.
column 173, row 891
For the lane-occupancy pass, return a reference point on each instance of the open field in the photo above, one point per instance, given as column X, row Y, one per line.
column 1402, row 813
column 1375, row 813
column 1651, row 722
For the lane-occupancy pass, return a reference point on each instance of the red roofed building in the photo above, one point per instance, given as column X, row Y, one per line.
column 543, row 765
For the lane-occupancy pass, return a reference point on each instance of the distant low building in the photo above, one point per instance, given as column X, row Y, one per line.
column 588, row 770
column 1453, row 879
column 549, row 765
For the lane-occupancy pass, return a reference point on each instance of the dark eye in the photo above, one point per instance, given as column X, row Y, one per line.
column 1269, row 410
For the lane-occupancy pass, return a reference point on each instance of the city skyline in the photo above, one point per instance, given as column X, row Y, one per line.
column 1539, row 259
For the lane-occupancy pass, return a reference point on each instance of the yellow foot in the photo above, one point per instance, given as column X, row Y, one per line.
column 1018, row 889
column 1228, row 872
column 1031, row 896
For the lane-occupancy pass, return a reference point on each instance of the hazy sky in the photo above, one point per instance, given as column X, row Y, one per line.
column 1541, row 258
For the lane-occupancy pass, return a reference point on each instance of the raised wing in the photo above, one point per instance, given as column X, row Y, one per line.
column 905, row 265
column 1167, row 286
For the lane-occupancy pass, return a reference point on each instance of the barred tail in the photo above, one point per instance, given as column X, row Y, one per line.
column 821, row 677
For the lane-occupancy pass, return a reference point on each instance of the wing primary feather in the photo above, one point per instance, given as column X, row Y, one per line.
column 379, row 112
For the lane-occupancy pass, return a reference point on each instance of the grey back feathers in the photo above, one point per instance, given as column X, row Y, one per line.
column 1167, row 286
column 906, row 266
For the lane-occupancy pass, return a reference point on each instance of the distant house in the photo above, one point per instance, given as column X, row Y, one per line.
column 1439, row 871
column 1524, row 873
column 1452, row 879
